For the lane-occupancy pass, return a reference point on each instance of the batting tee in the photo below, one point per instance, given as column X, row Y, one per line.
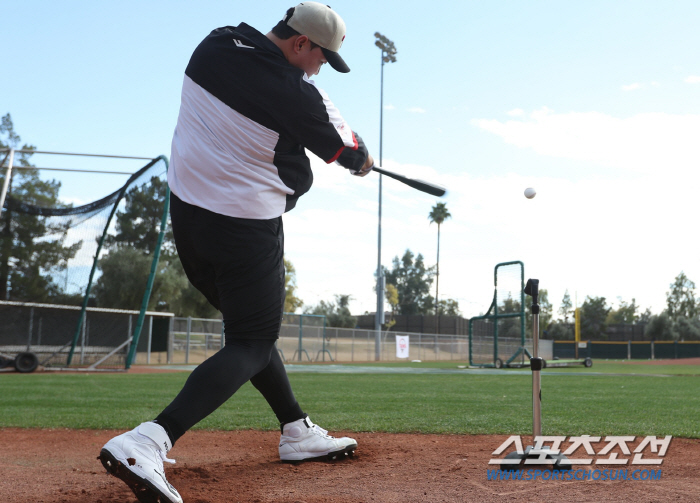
column 497, row 338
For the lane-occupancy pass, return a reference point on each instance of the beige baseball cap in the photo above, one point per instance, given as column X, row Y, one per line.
column 324, row 27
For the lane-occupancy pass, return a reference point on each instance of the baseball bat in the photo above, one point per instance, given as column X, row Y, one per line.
column 421, row 185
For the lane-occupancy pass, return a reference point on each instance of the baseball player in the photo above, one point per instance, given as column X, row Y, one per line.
column 248, row 111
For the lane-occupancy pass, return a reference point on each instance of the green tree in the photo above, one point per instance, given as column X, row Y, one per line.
column 337, row 313
column 391, row 294
column 546, row 309
column 32, row 247
column 680, row 300
column 661, row 328
column 130, row 251
column 412, row 280
column 625, row 314
column 188, row 301
column 594, row 312
column 566, row 308
column 560, row 331
column 291, row 301
column 125, row 271
column 126, row 267
column 449, row 307
column 511, row 327
column 545, row 318
column 645, row 316
column 438, row 215
column 138, row 225
column 688, row 329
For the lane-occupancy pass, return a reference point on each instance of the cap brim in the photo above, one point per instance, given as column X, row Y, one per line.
column 336, row 62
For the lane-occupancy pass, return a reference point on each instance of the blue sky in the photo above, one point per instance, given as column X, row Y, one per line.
column 595, row 104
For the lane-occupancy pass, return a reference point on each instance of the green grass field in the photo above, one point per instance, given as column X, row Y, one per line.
column 638, row 400
column 600, row 366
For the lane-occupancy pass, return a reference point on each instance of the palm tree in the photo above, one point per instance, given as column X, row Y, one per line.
column 438, row 215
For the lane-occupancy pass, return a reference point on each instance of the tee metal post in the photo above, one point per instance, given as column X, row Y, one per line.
column 536, row 363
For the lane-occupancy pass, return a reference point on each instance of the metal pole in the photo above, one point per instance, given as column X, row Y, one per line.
column 536, row 383
column 82, row 345
column 388, row 55
column 301, row 328
column 420, row 346
column 151, row 277
column 31, row 328
column 150, row 340
column 8, row 176
column 84, row 155
column 536, row 363
column 187, row 340
column 76, row 170
column 128, row 335
column 380, row 293
column 437, row 283
column 535, row 335
column 352, row 347
column 171, row 340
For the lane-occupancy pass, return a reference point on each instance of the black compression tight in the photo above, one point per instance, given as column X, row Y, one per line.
column 219, row 377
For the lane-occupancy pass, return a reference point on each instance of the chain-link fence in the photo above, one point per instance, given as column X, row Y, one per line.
column 193, row 340
column 306, row 338
column 355, row 345
column 104, row 338
column 190, row 341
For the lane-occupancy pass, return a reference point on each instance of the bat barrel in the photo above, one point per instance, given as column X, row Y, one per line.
column 427, row 187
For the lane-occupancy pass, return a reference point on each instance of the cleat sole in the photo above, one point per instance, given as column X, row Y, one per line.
column 347, row 452
column 144, row 491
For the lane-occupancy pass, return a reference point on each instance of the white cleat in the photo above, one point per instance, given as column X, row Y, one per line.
column 136, row 457
column 303, row 440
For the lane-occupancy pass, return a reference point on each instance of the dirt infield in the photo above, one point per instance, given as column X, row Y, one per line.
column 60, row 466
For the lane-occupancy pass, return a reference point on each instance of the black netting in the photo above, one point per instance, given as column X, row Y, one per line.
column 82, row 229
column 501, row 334
column 18, row 206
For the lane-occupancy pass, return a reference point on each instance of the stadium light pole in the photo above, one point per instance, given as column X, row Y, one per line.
column 388, row 56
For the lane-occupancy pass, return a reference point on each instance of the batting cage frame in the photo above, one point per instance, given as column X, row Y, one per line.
column 498, row 313
column 126, row 349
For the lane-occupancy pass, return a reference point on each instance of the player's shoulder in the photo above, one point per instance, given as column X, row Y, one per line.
column 242, row 36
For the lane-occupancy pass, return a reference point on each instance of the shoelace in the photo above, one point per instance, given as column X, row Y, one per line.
column 164, row 457
column 318, row 430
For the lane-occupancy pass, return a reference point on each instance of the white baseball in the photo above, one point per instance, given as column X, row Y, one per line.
column 530, row 193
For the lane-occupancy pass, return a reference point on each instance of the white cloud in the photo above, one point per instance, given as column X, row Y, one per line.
column 632, row 87
column 594, row 237
column 416, row 110
column 655, row 84
column 693, row 79
column 389, row 107
column 650, row 142
column 516, row 112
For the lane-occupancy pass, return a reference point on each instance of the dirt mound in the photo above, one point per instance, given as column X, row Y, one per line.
column 57, row 466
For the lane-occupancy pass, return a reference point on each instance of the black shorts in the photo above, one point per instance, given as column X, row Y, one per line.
column 237, row 263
